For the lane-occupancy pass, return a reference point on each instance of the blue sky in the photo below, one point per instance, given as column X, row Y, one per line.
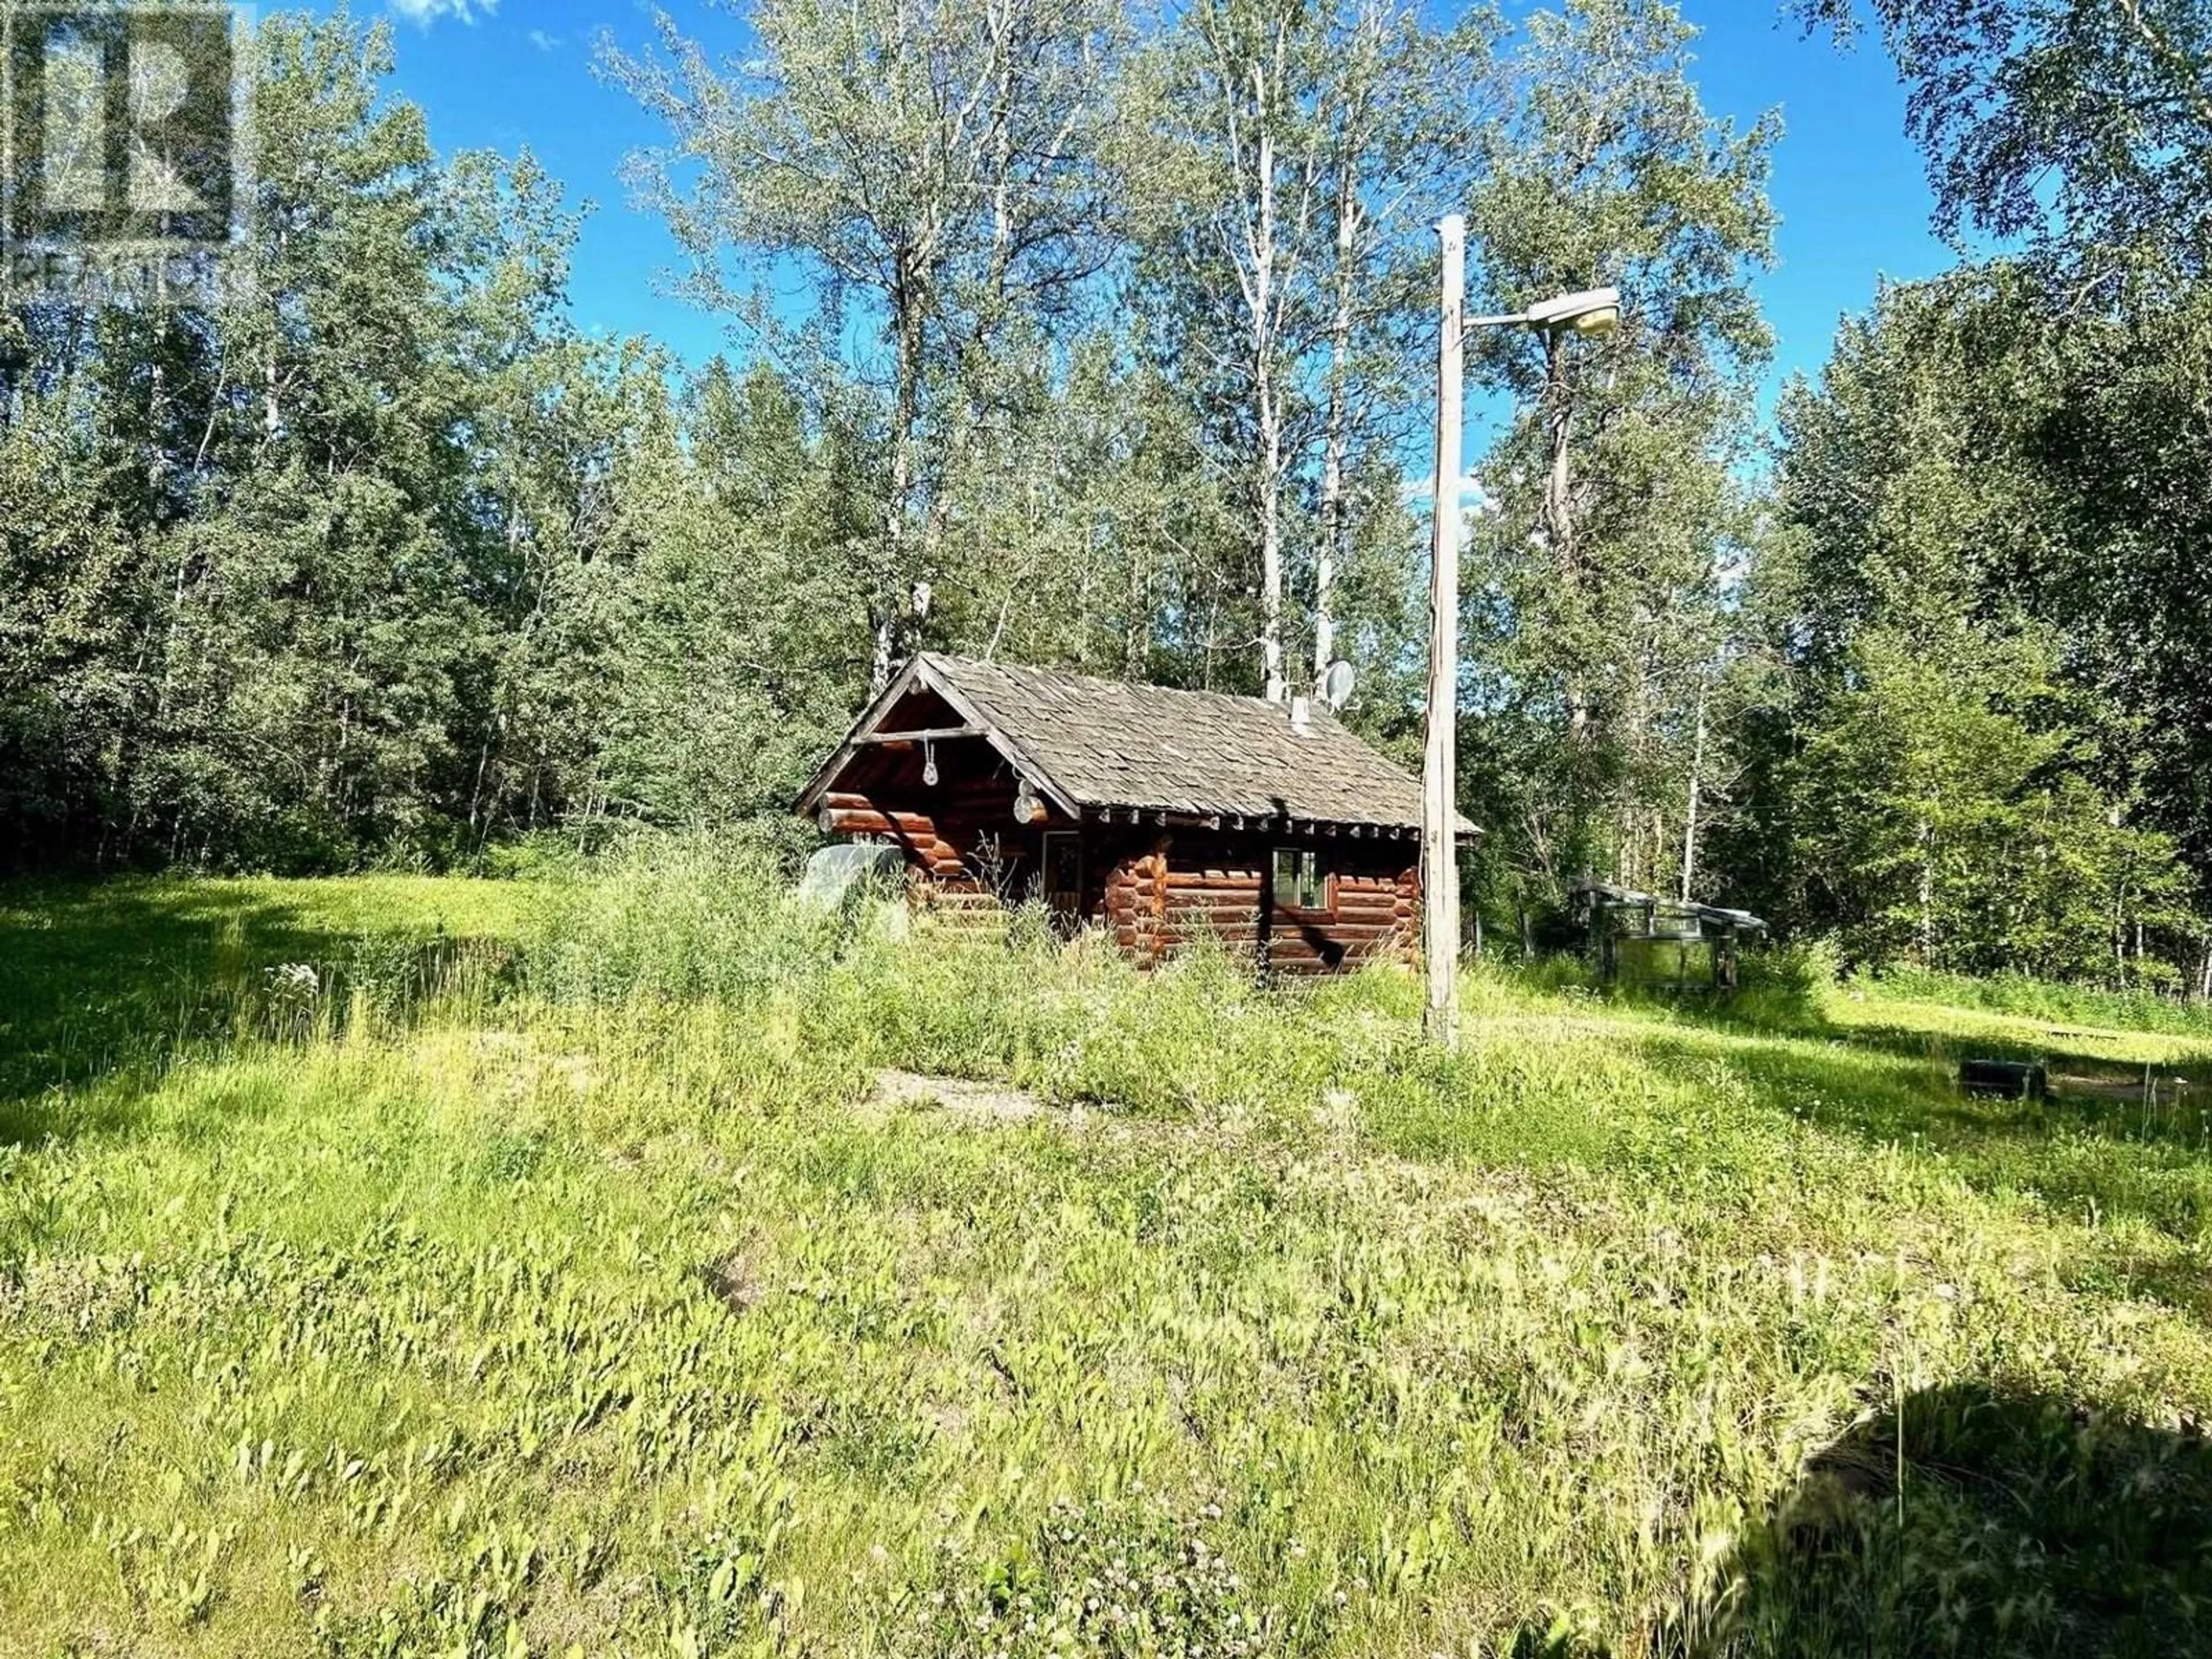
column 1848, row 187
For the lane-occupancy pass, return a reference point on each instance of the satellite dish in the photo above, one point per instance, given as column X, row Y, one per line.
column 1336, row 685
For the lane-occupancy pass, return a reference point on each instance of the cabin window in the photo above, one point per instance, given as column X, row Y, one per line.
column 1302, row 879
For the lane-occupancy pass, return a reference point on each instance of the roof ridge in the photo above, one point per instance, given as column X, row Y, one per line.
column 952, row 659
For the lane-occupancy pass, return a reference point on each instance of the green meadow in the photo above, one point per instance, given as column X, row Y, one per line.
column 401, row 1266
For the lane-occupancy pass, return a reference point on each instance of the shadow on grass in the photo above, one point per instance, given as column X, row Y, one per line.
column 2081, row 1155
column 1930, row 1056
column 100, row 982
column 1791, row 1011
column 2023, row 1524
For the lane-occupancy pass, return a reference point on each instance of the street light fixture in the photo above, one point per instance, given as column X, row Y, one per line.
column 1594, row 311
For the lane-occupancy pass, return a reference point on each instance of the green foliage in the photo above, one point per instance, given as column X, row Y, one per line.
column 379, row 559
column 2005, row 466
column 2083, row 126
column 1984, row 757
column 1924, row 790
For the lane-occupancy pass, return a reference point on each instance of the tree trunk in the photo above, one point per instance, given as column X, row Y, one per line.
column 1271, row 544
column 891, row 640
column 1560, row 516
column 883, row 652
column 1690, row 807
column 1559, row 506
column 1268, row 416
column 1927, row 894
column 1137, row 642
column 1337, row 440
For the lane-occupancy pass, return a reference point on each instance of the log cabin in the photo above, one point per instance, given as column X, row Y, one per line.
column 1156, row 815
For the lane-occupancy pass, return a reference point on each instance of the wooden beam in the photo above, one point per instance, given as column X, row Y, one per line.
column 934, row 733
column 1015, row 751
column 881, row 704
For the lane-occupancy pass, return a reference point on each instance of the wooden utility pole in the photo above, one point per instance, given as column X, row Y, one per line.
column 1594, row 311
column 1439, row 844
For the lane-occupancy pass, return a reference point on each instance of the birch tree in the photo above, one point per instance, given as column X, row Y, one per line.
column 1307, row 151
column 1402, row 107
column 940, row 168
column 1245, row 188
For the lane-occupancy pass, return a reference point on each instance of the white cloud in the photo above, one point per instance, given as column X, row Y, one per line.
column 1416, row 490
column 543, row 41
column 423, row 13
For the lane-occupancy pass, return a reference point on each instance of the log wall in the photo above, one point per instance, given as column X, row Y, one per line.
column 1135, row 895
column 1155, row 891
column 963, row 848
column 1222, row 886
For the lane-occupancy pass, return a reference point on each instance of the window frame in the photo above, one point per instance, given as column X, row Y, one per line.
column 1324, row 871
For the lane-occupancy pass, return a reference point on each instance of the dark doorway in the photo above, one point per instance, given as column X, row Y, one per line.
column 1063, row 879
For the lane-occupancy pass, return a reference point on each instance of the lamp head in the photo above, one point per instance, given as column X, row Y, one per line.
column 1594, row 311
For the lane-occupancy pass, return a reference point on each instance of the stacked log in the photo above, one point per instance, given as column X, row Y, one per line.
column 928, row 850
column 1371, row 914
column 1367, row 907
column 1222, row 901
column 1136, row 903
column 1406, row 914
column 968, row 912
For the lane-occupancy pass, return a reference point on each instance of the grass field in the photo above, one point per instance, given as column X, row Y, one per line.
column 395, row 1267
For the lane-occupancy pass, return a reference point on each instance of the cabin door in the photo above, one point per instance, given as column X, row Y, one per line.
column 1063, row 879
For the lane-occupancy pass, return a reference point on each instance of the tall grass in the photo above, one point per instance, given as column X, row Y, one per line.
column 589, row 1299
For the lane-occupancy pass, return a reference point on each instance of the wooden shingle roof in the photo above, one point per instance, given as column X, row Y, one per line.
column 1091, row 743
